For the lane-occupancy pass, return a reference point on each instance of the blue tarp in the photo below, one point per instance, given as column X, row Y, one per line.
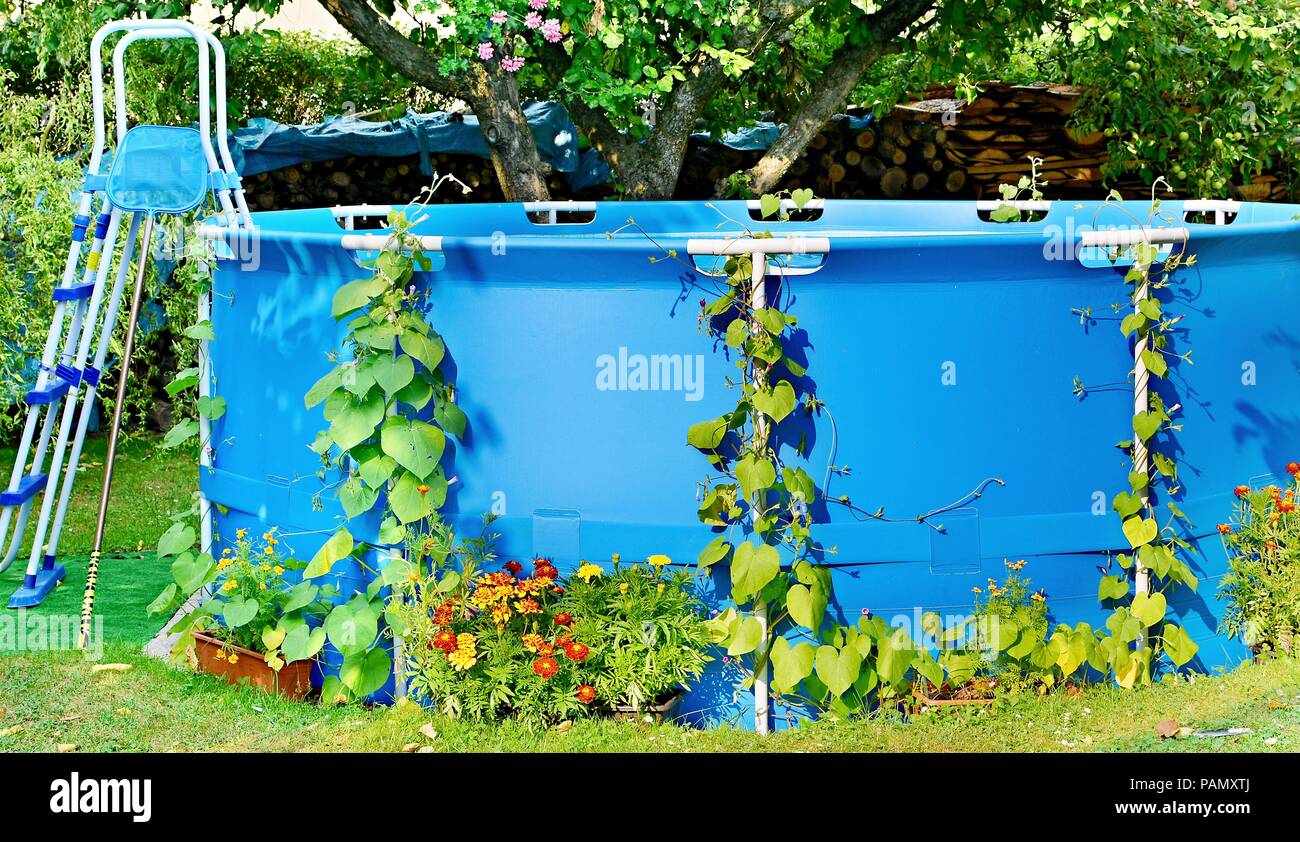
column 264, row 145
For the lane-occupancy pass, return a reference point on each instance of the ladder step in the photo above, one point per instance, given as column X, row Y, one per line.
column 73, row 292
column 49, row 394
column 27, row 488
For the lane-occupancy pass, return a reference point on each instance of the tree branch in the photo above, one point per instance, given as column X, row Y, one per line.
column 384, row 40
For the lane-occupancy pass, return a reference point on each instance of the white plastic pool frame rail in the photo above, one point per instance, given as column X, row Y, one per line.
column 759, row 251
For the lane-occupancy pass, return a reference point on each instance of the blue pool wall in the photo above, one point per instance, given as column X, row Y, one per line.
column 944, row 346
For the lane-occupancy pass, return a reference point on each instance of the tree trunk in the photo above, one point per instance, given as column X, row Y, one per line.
column 833, row 89
column 491, row 93
column 495, row 100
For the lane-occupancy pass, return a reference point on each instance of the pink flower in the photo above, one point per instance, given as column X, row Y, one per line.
column 485, row 50
column 537, row 4
column 511, row 63
column 532, row 20
column 499, row 17
column 551, row 30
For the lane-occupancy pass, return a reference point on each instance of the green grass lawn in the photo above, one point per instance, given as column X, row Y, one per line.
column 56, row 698
column 149, row 485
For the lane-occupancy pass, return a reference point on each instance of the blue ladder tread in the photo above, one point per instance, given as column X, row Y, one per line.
column 35, row 589
column 49, row 394
column 27, row 488
column 73, row 292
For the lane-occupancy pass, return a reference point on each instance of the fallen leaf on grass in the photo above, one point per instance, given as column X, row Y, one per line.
column 11, row 730
column 425, row 750
column 67, row 748
column 71, row 717
column 3, row 711
column 429, row 731
column 122, row 711
column 111, row 667
column 563, row 727
column 1273, row 704
column 410, row 748
column 1167, row 728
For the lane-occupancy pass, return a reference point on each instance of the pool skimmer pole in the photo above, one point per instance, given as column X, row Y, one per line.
column 92, row 570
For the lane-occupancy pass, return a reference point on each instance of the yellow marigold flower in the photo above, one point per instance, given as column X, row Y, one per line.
column 226, row 551
column 266, row 566
column 1038, row 597
column 659, row 560
column 976, row 589
column 277, row 570
column 622, row 588
column 615, row 558
column 661, row 587
column 501, row 614
column 241, row 534
column 533, row 642
column 462, row 659
column 465, row 640
column 587, row 572
column 234, row 659
column 229, row 586
column 221, row 656
column 264, row 586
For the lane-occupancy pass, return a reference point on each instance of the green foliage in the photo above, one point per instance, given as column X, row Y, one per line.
column 251, row 604
column 1262, row 587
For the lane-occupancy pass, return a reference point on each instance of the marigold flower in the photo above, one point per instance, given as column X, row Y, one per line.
column 528, row 606
column 546, row 667
column 587, row 572
column 1039, row 597
column 1286, row 506
column 514, row 568
column 622, row 587
column 423, row 489
column 277, row 570
column 233, row 658
column 564, row 641
column 564, row 618
column 577, row 651
column 660, row 589
column 444, row 640
column 462, row 659
column 533, row 642
column 501, row 614
column 241, row 534
column 659, row 560
column 221, row 656
column 586, row 694
column 1241, row 491
column 1225, row 529
column 1293, row 468
column 229, row 585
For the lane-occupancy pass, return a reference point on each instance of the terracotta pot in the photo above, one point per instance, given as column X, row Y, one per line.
column 293, row 680
column 659, row 712
column 929, row 701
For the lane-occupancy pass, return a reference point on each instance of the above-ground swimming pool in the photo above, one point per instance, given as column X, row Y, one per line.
column 945, row 347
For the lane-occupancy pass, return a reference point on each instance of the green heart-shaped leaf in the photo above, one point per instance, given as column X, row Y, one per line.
column 791, row 664
column 365, row 672
column 806, row 606
column 1149, row 609
column 1140, row 531
column 238, row 611
column 415, row 445
column 752, row 568
column 776, row 403
column 838, row 668
column 338, row 546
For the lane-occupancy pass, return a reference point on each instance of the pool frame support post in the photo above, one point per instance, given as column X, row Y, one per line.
column 758, row 300
column 1141, row 453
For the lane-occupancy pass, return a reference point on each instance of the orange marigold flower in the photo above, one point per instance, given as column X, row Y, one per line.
column 444, row 640
column 564, row 619
column 577, row 651
column 1225, row 529
column 514, row 567
column 546, row 666
column 501, row 614
column 564, row 641
column 1293, row 468
column 533, row 642
column 586, row 694
column 528, row 606
column 1241, row 491
column 1286, row 506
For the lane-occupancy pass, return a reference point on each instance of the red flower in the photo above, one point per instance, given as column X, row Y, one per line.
column 577, row 651
column 514, row 567
column 563, row 619
column 445, row 640
column 1241, row 491
column 564, row 641
column 586, row 694
column 557, row 590
column 1293, row 468
column 546, row 667
column 445, row 613
column 1225, row 529
column 546, row 571
column 1286, row 506
column 423, row 489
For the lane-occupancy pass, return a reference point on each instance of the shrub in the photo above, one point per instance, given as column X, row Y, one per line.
column 1263, row 583
column 645, row 626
